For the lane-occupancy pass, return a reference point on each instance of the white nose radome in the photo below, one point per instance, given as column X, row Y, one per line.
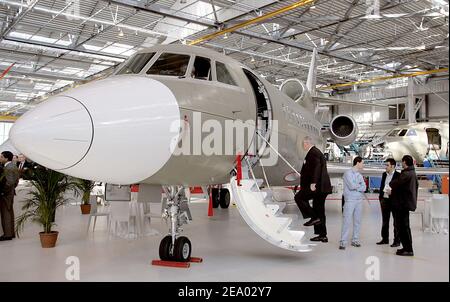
column 123, row 136
column 56, row 134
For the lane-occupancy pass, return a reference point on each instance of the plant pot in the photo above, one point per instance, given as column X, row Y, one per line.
column 48, row 240
column 85, row 209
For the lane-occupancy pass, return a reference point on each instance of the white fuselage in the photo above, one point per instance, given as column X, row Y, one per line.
column 121, row 129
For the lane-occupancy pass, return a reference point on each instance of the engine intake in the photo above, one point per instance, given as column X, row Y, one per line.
column 295, row 89
column 343, row 130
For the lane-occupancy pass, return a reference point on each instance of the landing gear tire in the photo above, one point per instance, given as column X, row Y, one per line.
column 224, row 199
column 165, row 248
column 215, row 197
column 182, row 249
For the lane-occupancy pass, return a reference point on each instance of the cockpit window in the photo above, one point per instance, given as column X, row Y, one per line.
column 411, row 132
column 393, row 132
column 403, row 132
column 135, row 65
column 170, row 64
column 223, row 75
column 201, row 69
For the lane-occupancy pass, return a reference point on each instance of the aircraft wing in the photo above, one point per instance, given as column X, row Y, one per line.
column 339, row 168
column 332, row 101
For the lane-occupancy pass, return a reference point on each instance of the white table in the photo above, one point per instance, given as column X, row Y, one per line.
column 130, row 221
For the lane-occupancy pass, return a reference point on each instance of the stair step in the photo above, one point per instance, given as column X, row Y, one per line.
column 280, row 206
column 273, row 208
column 297, row 234
column 284, row 222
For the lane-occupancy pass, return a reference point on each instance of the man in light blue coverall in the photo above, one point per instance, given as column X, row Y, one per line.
column 354, row 188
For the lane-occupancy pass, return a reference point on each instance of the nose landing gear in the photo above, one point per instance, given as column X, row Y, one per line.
column 174, row 247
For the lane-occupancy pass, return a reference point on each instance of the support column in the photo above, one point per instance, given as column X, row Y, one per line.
column 411, row 102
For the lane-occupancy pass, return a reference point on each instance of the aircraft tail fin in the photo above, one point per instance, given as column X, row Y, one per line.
column 312, row 74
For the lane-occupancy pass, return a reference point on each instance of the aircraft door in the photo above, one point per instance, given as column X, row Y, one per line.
column 434, row 139
column 263, row 112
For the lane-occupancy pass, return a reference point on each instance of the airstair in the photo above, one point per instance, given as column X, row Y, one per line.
column 263, row 213
column 265, row 216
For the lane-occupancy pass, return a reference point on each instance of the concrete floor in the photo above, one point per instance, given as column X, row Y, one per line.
column 230, row 249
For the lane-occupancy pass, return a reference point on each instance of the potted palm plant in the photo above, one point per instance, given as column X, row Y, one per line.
column 85, row 187
column 46, row 196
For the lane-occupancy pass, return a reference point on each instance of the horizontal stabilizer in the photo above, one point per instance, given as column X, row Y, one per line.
column 369, row 170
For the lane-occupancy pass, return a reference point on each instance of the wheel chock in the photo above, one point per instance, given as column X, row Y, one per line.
column 177, row 263
column 196, row 260
column 171, row 263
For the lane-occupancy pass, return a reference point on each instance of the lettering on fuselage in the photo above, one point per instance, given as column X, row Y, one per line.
column 299, row 120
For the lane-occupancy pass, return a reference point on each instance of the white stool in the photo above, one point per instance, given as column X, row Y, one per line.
column 439, row 210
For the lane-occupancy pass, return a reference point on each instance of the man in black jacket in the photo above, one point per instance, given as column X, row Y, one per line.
column 22, row 162
column 8, row 184
column 386, row 203
column 404, row 199
column 314, row 184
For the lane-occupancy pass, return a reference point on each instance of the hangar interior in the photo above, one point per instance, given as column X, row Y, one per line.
column 388, row 53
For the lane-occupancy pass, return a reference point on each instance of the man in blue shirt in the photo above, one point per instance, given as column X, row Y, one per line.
column 354, row 188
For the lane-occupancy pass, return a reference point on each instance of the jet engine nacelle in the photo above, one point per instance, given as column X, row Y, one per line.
column 343, row 130
column 295, row 89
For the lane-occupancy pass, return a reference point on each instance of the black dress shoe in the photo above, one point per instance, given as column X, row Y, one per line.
column 4, row 238
column 383, row 242
column 395, row 244
column 402, row 252
column 320, row 238
column 312, row 222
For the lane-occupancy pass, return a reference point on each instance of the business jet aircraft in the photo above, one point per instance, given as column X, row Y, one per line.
column 130, row 127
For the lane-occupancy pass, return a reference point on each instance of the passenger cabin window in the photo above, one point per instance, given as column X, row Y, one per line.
column 223, row 75
column 411, row 132
column 135, row 65
column 170, row 64
column 202, row 69
column 403, row 132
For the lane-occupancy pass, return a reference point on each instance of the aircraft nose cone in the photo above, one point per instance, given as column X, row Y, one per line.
column 117, row 130
column 57, row 133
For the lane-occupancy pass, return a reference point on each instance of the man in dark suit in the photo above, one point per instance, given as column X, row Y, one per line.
column 22, row 162
column 386, row 203
column 23, row 166
column 10, row 179
column 404, row 199
column 314, row 184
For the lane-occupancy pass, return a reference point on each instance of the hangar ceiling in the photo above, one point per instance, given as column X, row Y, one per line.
column 50, row 45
